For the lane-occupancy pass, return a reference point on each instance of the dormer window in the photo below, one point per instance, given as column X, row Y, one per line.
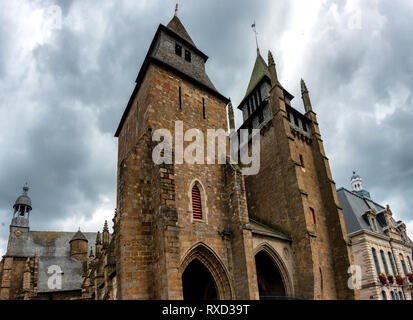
column 371, row 218
column 178, row 49
column 188, row 55
column 371, row 221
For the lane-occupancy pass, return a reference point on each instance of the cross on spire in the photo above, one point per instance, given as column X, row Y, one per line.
column 256, row 37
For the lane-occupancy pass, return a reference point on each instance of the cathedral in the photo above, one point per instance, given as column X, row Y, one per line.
column 198, row 231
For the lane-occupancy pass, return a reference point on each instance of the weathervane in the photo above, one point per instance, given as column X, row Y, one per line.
column 256, row 37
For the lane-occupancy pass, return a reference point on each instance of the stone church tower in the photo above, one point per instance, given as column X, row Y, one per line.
column 204, row 230
column 294, row 188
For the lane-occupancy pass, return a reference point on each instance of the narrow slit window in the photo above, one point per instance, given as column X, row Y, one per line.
column 304, row 126
column 180, row 98
column 178, row 49
column 196, row 203
column 256, row 99
column 260, row 116
column 187, row 55
column 302, row 160
column 203, row 109
column 296, row 121
column 312, row 215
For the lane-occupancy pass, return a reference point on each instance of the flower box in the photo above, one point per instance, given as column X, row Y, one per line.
column 399, row 280
column 390, row 278
column 382, row 278
column 410, row 277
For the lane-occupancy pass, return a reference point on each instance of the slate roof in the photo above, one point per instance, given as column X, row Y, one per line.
column 79, row 236
column 354, row 208
column 176, row 25
column 52, row 249
column 262, row 229
column 259, row 71
column 161, row 53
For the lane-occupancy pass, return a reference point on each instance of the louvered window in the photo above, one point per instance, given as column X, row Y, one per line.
column 196, row 203
column 312, row 215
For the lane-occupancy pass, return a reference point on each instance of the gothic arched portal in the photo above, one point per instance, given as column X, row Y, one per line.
column 197, row 282
column 204, row 276
column 272, row 282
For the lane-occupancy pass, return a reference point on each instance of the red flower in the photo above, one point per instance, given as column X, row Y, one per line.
column 382, row 278
column 399, row 280
column 390, row 277
column 410, row 276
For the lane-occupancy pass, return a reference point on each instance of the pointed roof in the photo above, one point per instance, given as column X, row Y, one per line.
column 260, row 71
column 176, row 26
column 79, row 236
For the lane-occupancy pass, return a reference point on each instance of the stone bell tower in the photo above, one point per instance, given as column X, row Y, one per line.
column 294, row 189
column 171, row 215
column 12, row 267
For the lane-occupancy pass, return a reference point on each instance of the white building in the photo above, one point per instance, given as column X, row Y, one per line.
column 379, row 244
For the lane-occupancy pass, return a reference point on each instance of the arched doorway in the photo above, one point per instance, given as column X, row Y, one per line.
column 197, row 282
column 270, row 282
column 204, row 275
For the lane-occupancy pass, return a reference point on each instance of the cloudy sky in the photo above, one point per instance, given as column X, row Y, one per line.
column 65, row 81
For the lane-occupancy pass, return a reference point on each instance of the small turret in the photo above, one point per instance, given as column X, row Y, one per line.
column 231, row 117
column 105, row 235
column 22, row 208
column 357, row 185
column 98, row 246
column 272, row 69
column 306, row 97
column 78, row 246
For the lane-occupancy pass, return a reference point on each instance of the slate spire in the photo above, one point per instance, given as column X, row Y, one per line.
column 258, row 72
column 176, row 26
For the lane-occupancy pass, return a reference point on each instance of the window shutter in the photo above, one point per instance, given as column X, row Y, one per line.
column 196, row 203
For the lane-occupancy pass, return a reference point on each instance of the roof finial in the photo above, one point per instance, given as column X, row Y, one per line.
column 256, row 37
column 176, row 10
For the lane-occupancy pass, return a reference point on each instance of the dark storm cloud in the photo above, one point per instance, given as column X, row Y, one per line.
column 62, row 98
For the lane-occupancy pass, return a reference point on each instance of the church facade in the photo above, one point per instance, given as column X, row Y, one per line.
column 205, row 231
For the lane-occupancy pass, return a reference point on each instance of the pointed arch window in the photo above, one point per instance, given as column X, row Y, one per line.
column 196, row 203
